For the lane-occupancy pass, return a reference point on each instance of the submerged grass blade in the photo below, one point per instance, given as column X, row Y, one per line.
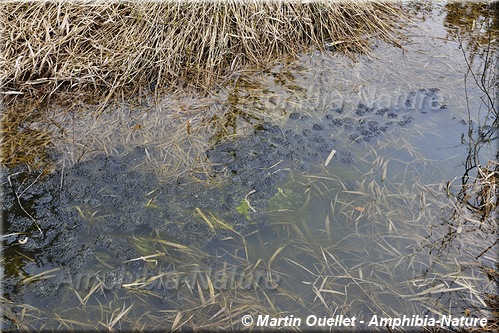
column 208, row 222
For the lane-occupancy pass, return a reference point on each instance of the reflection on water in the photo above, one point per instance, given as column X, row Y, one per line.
column 473, row 21
column 368, row 157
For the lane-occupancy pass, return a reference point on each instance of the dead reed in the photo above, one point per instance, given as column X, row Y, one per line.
column 110, row 48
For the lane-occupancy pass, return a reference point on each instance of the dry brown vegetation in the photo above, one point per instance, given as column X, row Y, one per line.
column 110, row 48
column 74, row 52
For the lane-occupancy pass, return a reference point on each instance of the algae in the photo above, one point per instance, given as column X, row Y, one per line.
column 243, row 209
column 286, row 199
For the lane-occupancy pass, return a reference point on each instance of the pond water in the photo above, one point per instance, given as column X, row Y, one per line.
column 329, row 191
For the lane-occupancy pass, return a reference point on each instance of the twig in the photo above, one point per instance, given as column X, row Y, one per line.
column 18, row 197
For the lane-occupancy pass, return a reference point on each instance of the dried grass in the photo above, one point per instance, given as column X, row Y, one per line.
column 114, row 48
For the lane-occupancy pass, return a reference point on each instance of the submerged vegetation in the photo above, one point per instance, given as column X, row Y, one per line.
column 264, row 197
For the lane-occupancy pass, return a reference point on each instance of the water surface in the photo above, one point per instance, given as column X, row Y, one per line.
column 330, row 190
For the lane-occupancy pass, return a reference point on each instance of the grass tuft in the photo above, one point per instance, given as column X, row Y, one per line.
column 114, row 48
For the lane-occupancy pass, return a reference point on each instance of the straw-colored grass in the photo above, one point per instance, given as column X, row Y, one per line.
column 91, row 52
column 111, row 48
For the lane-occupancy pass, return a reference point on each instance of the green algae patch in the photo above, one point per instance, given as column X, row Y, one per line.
column 243, row 209
column 286, row 200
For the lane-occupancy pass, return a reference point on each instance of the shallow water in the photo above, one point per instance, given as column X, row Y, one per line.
column 278, row 230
